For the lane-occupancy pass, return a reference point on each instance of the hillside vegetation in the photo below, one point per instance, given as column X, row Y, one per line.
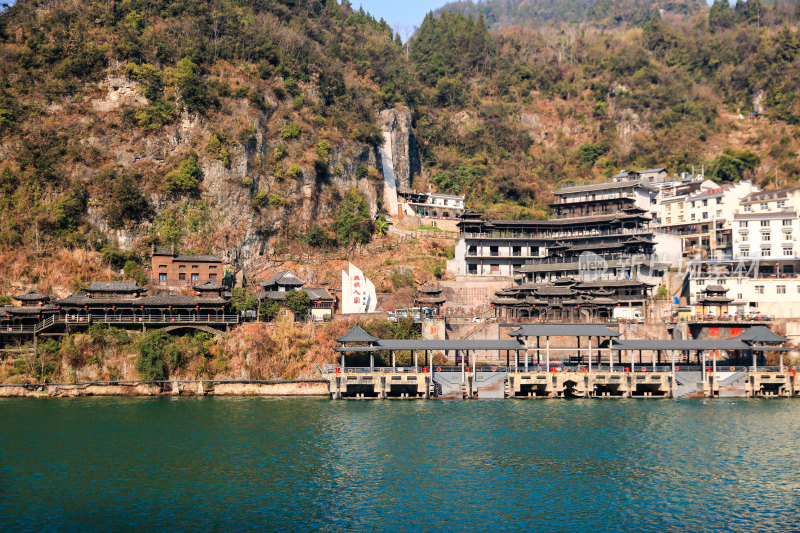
column 252, row 125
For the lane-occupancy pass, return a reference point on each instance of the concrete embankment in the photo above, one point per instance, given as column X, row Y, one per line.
column 170, row 388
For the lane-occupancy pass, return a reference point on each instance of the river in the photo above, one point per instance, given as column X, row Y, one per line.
column 314, row 464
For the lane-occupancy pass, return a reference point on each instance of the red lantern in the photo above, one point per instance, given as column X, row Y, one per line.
column 579, row 305
column 113, row 307
column 170, row 306
column 86, row 307
column 38, row 316
column 141, row 307
column 197, row 307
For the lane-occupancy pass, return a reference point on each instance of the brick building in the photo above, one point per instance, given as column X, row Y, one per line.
column 173, row 271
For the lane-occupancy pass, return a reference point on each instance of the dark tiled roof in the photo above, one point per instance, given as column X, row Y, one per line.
column 28, row 310
column 32, row 296
column 208, row 286
column 430, row 289
column 769, row 195
column 147, row 301
column 317, row 294
column 614, row 283
column 114, row 286
column 563, row 330
column 716, row 288
column 602, row 187
column 760, row 334
column 286, row 277
column 199, row 259
column 357, row 334
column 430, row 301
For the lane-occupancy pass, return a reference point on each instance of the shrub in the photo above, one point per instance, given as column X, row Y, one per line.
column 280, row 152
column 217, row 147
column 295, row 171
column 402, row 278
column 290, row 131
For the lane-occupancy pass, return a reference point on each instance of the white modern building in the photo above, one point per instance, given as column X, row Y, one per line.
column 431, row 204
column 763, row 273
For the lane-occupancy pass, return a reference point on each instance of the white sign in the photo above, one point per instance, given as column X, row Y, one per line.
column 358, row 293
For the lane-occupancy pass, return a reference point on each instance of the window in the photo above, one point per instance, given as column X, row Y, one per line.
column 748, row 208
column 781, row 203
column 162, row 278
column 194, row 267
column 212, row 277
column 669, row 220
column 472, row 269
column 765, row 223
column 744, row 251
column 719, row 201
column 705, row 214
column 494, row 269
column 788, row 252
column 182, row 267
column 780, row 289
column 212, row 267
column 693, row 217
column 742, row 223
column 739, row 295
column 787, row 235
column 195, row 277
column 764, row 206
column 162, row 266
column 701, row 282
column 744, row 237
column 765, row 236
column 766, row 252
column 719, row 213
column 182, row 276
column 759, row 289
column 705, row 203
column 786, row 222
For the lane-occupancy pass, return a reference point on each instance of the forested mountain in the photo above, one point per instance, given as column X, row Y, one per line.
column 253, row 124
column 532, row 13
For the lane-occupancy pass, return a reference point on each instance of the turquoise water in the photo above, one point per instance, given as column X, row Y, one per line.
column 312, row 464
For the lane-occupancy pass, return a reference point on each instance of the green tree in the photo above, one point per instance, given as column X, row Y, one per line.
column 720, row 15
column 731, row 165
column 299, row 302
column 243, row 300
column 152, row 348
column 268, row 309
column 185, row 179
column 127, row 203
column 352, row 223
column 191, row 86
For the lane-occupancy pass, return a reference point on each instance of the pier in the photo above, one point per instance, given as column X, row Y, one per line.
column 600, row 366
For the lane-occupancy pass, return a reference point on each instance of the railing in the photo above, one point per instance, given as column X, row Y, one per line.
column 555, row 367
column 87, row 320
column 549, row 235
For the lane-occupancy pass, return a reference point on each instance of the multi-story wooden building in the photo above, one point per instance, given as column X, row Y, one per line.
column 596, row 252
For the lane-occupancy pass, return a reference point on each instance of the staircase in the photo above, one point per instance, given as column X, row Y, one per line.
column 689, row 385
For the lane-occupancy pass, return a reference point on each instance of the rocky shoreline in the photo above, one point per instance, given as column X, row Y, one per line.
column 309, row 387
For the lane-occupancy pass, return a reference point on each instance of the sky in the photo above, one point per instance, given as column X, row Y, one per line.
column 399, row 13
